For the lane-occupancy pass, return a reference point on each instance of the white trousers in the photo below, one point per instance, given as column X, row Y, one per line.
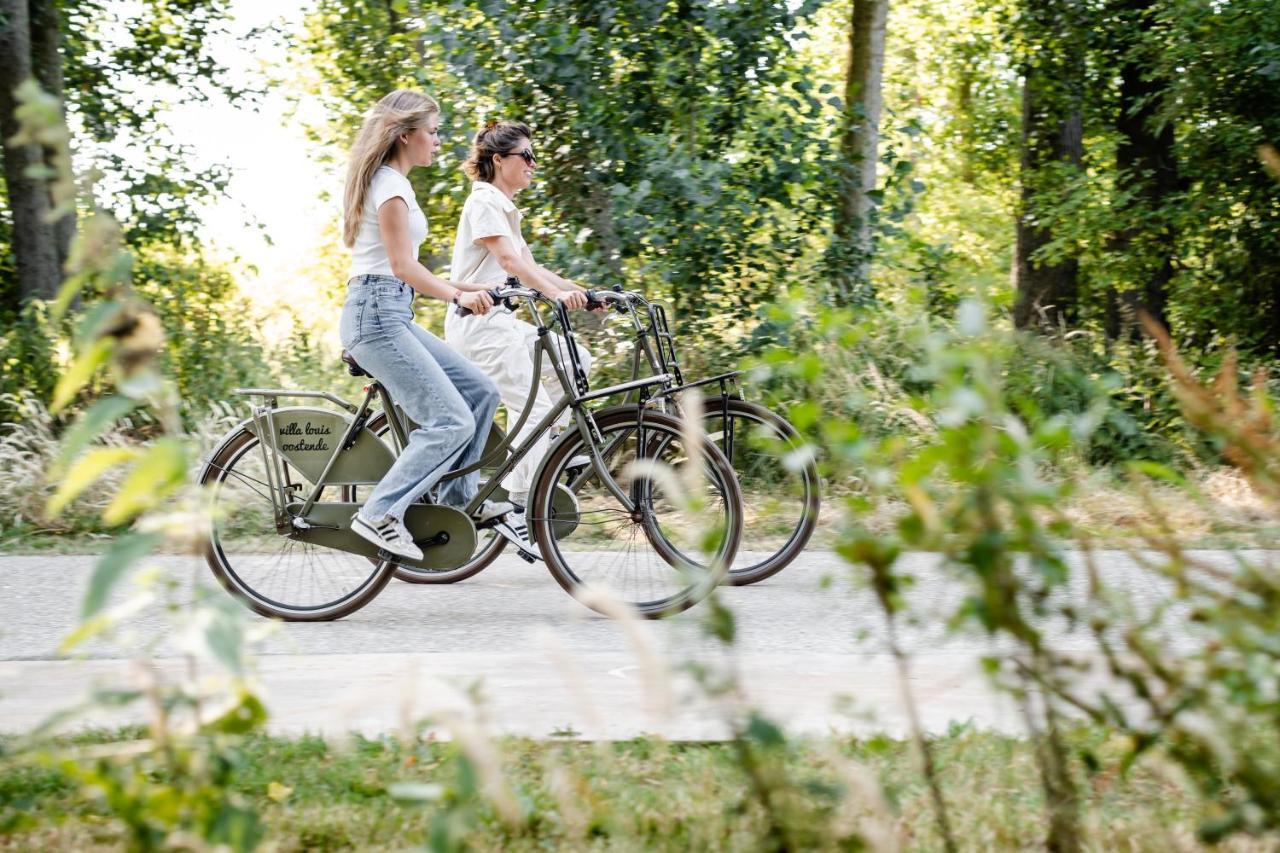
column 502, row 347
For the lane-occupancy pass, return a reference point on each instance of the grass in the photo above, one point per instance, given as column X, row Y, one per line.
column 644, row 794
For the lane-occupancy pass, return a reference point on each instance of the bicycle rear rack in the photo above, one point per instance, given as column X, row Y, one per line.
column 271, row 394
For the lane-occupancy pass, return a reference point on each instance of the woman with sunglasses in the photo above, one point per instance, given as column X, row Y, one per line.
column 451, row 401
column 488, row 248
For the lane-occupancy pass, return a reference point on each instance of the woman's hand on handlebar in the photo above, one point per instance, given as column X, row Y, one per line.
column 575, row 299
column 476, row 301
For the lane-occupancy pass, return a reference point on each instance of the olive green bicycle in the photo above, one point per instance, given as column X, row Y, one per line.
column 286, row 481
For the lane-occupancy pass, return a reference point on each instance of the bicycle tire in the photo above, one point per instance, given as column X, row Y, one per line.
column 238, row 447
column 808, row 481
column 541, row 517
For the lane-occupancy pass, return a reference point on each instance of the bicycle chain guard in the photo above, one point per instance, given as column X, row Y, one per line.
column 446, row 536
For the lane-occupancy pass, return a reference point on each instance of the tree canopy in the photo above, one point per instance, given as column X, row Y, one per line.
column 1074, row 163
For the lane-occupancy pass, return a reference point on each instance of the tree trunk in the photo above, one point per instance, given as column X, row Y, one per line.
column 1148, row 174
column 34, row 244
column 859, row 149
column 46, row 64
column 1051, row 131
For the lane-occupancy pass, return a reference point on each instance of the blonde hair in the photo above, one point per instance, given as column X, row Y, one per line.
column 497, row 138
column 400, row 112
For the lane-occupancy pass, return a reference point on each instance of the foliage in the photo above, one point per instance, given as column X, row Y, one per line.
column 647, row 117
column 331, row 793
column 866, row 367
column 977, row 485
column 26, row 352
column 949, row 147
column 207, row 321
column 122, row 66
column 1212, row 702
column 1192, row 88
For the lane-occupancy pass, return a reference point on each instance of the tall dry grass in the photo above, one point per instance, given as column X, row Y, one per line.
column 30, row 445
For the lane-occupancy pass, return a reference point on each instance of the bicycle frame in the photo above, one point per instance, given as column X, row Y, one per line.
column 363, row 452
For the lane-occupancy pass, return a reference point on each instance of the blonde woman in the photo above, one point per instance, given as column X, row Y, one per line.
column 451, row 401
column 489, row 247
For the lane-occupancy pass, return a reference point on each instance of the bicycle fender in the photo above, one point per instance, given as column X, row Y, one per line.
column 307, row 437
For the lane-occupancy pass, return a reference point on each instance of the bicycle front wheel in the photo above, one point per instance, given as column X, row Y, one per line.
column 656, row 536
column 779, row 480
column 272, row 573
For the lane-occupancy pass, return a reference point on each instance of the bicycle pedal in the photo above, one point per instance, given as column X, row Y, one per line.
column 526, row 556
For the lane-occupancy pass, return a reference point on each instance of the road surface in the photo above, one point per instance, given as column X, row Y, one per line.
column 510, row 649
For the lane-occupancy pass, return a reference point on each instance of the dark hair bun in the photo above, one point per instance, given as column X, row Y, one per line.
column 496, row 137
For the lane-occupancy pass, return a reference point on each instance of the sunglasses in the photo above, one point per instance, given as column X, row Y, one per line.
column 526, row 155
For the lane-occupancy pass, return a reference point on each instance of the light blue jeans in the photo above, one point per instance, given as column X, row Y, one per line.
column 452, row 402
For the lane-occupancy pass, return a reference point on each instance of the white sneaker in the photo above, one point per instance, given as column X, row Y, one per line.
column 390, row 534
column 489, row 510
column 514, row 530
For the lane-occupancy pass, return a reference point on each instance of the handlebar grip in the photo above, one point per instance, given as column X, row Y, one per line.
column 593, row 302
column 494, row 294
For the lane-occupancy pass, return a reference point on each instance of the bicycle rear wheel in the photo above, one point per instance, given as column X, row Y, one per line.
column 273, row 574
column 664, row 553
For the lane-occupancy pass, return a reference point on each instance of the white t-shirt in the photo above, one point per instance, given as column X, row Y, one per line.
column 487, row 213
column 368, row 255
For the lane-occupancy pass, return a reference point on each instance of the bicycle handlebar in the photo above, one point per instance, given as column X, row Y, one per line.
column 511, row 290
column 504, row 295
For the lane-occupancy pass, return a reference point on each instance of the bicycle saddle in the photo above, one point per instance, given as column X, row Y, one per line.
column 353, row 368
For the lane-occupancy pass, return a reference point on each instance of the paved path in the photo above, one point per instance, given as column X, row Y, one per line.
column 810, row 654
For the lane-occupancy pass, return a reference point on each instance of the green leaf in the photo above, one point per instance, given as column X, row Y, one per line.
column 123, row 553
column 71, row 287
column 805, row 414
column 221, row 635
column 106, row 411
column 85, row 472
column 80, row 372
column 1156, row 471
column 85, row 630
column 97, row 318
column 247, row 715
column 719, row 622
column 764, row 732
column 154, row 478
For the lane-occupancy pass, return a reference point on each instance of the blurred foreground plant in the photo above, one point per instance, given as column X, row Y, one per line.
column 1199, row 675
column 1194, row 675
column 169, row 788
